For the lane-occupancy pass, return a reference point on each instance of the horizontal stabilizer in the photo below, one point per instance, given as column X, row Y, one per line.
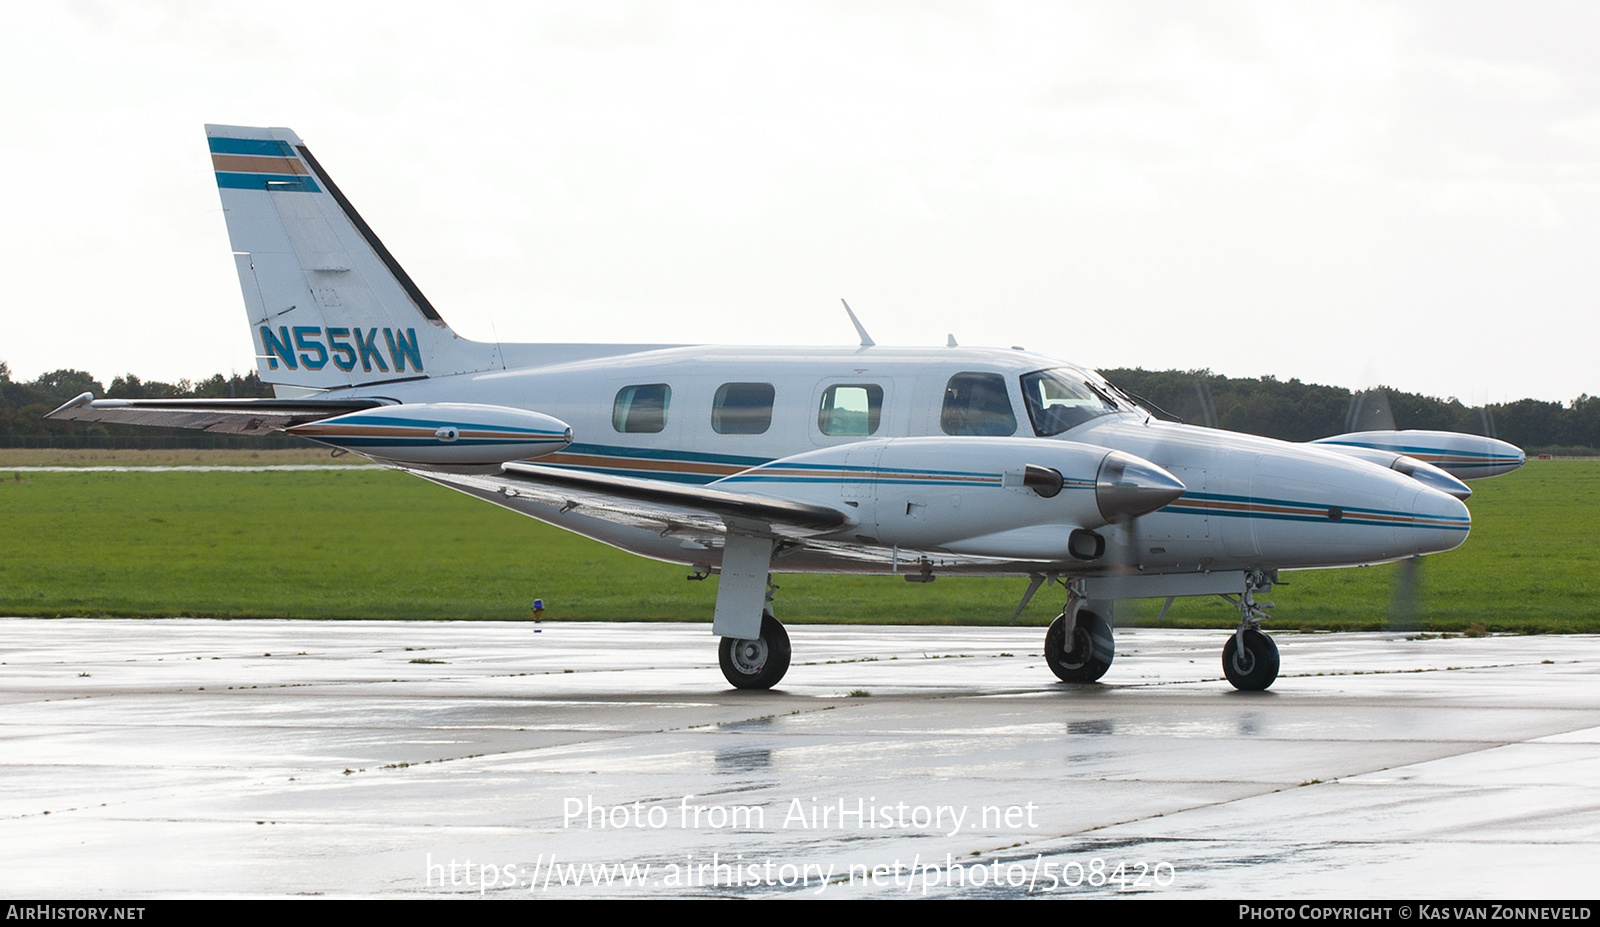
column 228, row 416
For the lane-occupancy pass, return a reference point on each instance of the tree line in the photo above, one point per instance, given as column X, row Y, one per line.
column 1294, row 411
column 23, row 405
column 1285, row 409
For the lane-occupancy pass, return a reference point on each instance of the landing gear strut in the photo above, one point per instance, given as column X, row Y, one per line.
column 1079, row 646
column 1250, row 660
column 756, row 663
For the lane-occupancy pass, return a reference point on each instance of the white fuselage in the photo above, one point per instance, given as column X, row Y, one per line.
column 1251, row 503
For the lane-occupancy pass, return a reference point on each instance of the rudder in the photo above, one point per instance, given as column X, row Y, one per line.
column 329, row 306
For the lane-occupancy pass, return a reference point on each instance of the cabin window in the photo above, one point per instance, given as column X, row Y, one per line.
column 977, row 404
column 1061, row 399
column 641, row 410
column 851, row 410
column 742, row 409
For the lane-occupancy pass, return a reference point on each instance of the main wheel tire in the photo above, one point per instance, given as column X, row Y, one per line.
column 1091, row 651
column 757, row 663
column 1256, row 668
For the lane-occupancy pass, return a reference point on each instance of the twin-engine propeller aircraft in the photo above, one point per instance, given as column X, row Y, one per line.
column 744, row 462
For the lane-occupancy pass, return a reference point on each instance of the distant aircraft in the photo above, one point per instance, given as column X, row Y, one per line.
column 749, row 461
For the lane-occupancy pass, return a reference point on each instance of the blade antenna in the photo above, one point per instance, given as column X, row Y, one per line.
column 866, row 339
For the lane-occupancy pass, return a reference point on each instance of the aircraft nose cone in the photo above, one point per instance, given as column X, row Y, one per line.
column 1127, row 486
column 1440, row 522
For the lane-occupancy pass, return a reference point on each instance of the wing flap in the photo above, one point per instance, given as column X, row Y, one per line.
column 671, row 509
column 804, row 517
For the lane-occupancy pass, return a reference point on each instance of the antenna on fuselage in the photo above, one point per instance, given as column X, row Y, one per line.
column 950, row 341
column 866, row 339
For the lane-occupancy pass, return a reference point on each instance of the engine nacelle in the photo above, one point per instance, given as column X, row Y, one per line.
column 1465, row 457
column 441, row 434
column 1424, row 473
column 992, row 497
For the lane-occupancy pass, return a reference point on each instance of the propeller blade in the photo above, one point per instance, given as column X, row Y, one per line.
column 1405, row 613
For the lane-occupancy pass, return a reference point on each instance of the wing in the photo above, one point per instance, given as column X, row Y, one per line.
column 671, row 509
column 229, row 416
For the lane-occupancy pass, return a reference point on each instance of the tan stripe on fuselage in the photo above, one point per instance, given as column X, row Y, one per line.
column 1263, row 508
column 640, row 463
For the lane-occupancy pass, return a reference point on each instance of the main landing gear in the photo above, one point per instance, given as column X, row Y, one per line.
column 756, row 663
column 752, row 655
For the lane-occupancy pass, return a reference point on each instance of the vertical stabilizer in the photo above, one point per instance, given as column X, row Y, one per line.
column 329, row 306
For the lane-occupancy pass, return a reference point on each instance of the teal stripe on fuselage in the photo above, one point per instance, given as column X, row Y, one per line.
column 430, row 441
column 1432, row 522
column 693, row 479
column 643, row 453
column 815, row 481
column 862, row 468
column 1194, row 504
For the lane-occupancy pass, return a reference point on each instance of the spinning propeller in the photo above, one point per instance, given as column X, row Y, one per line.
column 1372, row 410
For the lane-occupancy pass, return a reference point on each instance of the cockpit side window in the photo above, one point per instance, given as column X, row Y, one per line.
column 1058, row 400
column 977, row 404
column 641, row 409
column 742, row 409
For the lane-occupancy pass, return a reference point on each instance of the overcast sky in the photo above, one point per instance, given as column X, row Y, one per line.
column 1347, row 193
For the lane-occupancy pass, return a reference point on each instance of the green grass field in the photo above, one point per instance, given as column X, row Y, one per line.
column 379, row 544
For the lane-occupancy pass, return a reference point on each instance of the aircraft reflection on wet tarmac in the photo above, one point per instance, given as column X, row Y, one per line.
column 196, row 757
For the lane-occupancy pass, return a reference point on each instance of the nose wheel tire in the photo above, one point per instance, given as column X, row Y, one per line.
column 756, row 663
column 1257, row 667
column 1090, row 652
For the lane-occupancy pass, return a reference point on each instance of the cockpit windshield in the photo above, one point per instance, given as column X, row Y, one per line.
column 1063, row 398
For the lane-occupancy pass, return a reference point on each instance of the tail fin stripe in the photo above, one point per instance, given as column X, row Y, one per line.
column 251, row 164
column 251, row 146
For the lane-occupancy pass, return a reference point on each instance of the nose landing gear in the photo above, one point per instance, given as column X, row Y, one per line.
column 1079, row 646
column 1250, row 660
